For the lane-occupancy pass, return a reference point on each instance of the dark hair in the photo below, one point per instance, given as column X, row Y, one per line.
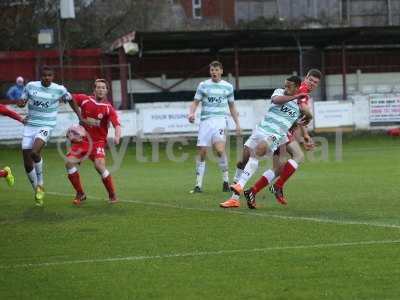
column 102, row 81
column 46, row 68
column 295, row 79
column 216, row 64
column 315, row 73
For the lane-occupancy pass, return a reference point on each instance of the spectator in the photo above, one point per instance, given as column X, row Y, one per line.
column 15, row 92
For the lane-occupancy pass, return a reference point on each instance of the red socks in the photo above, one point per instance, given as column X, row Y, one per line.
column 3, row 173
column 288, row 169
column 259, row 185
column 9, row 113
column 107, row 181
column 75, row 180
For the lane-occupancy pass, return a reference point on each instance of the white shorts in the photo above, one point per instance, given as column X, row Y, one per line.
column 259, row 136
column 32, row 133
column 211, row 131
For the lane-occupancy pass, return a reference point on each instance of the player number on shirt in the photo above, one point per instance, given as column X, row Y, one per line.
column 100, row 151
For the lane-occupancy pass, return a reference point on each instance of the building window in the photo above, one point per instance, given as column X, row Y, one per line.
column 196, row 9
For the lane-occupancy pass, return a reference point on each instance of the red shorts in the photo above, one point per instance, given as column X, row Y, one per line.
column 84, row 148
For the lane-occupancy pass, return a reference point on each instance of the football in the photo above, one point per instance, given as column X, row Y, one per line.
column 76, row 133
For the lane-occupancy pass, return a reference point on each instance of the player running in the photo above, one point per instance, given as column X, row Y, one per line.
column 287, row 169
column 7, row 174
column 98, row 113
column 43, row 98
column 215, row 95
column 310, row 82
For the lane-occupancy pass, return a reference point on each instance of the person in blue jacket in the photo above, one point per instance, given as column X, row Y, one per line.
column 15, row 92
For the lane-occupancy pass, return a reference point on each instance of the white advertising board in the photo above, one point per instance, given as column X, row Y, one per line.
column 328, row 114
column 174, row 120
column 384, row 109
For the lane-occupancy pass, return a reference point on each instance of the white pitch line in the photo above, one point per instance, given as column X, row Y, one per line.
column 263, row 215
column 196, row 254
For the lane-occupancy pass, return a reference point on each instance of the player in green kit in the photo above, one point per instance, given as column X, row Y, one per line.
column 215, row 96
column 272, row 131
column 43, row 98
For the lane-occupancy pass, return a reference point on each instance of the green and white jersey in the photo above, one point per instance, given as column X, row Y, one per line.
column 214, row 98
column 280, row 117
column 43, row 103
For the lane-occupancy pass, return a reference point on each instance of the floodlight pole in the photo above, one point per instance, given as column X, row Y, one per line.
column 60, row 47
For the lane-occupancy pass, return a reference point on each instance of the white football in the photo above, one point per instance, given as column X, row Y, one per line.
column 76, row 133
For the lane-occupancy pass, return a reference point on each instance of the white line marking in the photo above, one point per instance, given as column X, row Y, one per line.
column 248, row 213
column 195, row 254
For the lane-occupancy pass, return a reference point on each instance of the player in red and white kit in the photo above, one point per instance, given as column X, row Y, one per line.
column 97, row 113
column 287, row 169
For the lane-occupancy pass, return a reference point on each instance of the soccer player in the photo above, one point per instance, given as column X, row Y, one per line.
column 43, row 98
column 310, row 82
column 215, row 95
column 272, row 131
column 287, row 169
column 98, row 113
column 7, row 174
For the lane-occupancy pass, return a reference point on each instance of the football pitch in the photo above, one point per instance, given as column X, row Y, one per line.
column 338, row 237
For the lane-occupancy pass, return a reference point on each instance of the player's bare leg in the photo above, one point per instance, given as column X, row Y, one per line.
column 200, row 168
column 233, row 200
column 74, row 177
column 100, row 165
column 223, row 164
column 287, row 170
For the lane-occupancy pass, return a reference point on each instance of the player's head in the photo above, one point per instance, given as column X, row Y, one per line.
column 100, row 88
column 216, row 70
column 292, row 85
column 313, row 78
column 46, row 75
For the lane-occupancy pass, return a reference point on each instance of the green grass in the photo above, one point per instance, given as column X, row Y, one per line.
column 338, row 238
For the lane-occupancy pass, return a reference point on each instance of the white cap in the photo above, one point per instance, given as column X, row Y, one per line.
column 19, row 79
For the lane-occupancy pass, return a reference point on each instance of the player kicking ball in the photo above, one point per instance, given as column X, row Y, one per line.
column 7, row 174
column 43, row 98
column 97, row 113
column 215, row 96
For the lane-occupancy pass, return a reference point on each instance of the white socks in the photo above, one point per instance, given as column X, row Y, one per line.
column 223, row 166
column 249, row 170
column 39, row 172
column 238, row 173
column 32, row 178
column 200, row 168
column 105, row 174
column 270, row 175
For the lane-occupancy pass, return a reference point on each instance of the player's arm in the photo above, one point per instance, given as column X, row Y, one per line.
column 197, row 99
column 282, row 99
column 307, row 115
column 192, row 110
column 235, row 116
column 117, row 126
column 67, row 97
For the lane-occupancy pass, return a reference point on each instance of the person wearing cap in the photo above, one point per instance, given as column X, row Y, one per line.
column 15, row 92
